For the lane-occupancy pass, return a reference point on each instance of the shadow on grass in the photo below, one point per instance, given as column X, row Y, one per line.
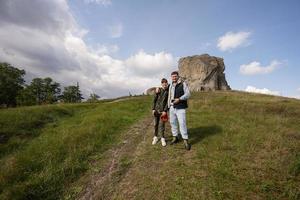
column 199, row 133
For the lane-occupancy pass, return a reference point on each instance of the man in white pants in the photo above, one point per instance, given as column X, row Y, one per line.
column 177, row 103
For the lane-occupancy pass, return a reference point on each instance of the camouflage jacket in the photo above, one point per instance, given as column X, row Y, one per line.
column 160, row 102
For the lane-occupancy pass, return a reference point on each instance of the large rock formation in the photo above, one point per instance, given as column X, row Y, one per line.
column 203, row 72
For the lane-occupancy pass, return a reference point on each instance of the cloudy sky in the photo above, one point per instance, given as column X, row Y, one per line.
column 113, row 47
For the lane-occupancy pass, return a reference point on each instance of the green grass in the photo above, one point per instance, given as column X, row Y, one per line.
column 62, row 140
column 244, row 146
column 20, row 125
column 252, row 147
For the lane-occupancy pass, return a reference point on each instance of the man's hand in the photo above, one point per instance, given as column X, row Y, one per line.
column 157, row 90
column 176, row 101
column 164, row 113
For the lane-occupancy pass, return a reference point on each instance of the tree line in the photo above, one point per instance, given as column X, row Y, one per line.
column 15, row 92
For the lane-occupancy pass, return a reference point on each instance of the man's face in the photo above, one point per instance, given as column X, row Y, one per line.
column 174, row 78
column 164, row 85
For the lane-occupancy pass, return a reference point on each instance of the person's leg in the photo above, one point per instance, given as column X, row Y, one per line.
column 181, row 115
column 173, row 122
column 156, row 124
column 161, row 128
column 174, row 125
column 162, row 132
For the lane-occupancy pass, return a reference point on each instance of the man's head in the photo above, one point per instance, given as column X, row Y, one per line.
column 174, row 76
column 164, row 83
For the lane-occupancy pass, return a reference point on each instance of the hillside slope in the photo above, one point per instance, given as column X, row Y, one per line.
column 46, row 148
column 244, row 146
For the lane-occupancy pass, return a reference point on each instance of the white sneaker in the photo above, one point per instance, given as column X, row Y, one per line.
column 155, row 140
column 163, row 142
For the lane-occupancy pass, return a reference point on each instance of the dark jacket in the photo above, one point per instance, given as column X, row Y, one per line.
column 179, row 91
column 160, row 102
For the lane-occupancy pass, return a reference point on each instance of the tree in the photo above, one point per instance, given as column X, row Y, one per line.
column 93, row 98
column 11, row 83
column 72, row 94
column 40, row 91
column 36, row 87
column 51, row 91
column 26, row 97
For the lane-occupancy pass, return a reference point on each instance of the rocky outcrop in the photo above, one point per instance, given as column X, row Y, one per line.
column 203, row 72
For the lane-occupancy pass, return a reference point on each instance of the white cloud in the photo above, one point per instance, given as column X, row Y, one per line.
column 262, row 91
column 256, row 68
column 115, row 31
column 298, row 89
column 102, row 2
column 45, row 46
column 232, row 40
column 146, row 64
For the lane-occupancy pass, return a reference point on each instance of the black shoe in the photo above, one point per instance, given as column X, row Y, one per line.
column 174, row 141
column 187, row 145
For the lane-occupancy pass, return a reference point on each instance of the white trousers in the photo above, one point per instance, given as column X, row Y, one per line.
column 178, row 116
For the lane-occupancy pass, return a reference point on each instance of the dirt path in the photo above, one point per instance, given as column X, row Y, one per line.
column 155, row 169
column 116, row 162
column 130, row 169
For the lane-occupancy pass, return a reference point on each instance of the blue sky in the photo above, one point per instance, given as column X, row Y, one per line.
column 262, row 36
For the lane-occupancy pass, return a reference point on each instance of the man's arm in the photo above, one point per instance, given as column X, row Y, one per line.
column 186, row 90
column 154, row 101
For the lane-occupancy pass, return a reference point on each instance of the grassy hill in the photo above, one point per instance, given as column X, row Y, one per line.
column 244, row 146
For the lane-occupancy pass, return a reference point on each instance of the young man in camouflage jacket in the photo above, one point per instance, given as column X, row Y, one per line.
column 159, row 111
